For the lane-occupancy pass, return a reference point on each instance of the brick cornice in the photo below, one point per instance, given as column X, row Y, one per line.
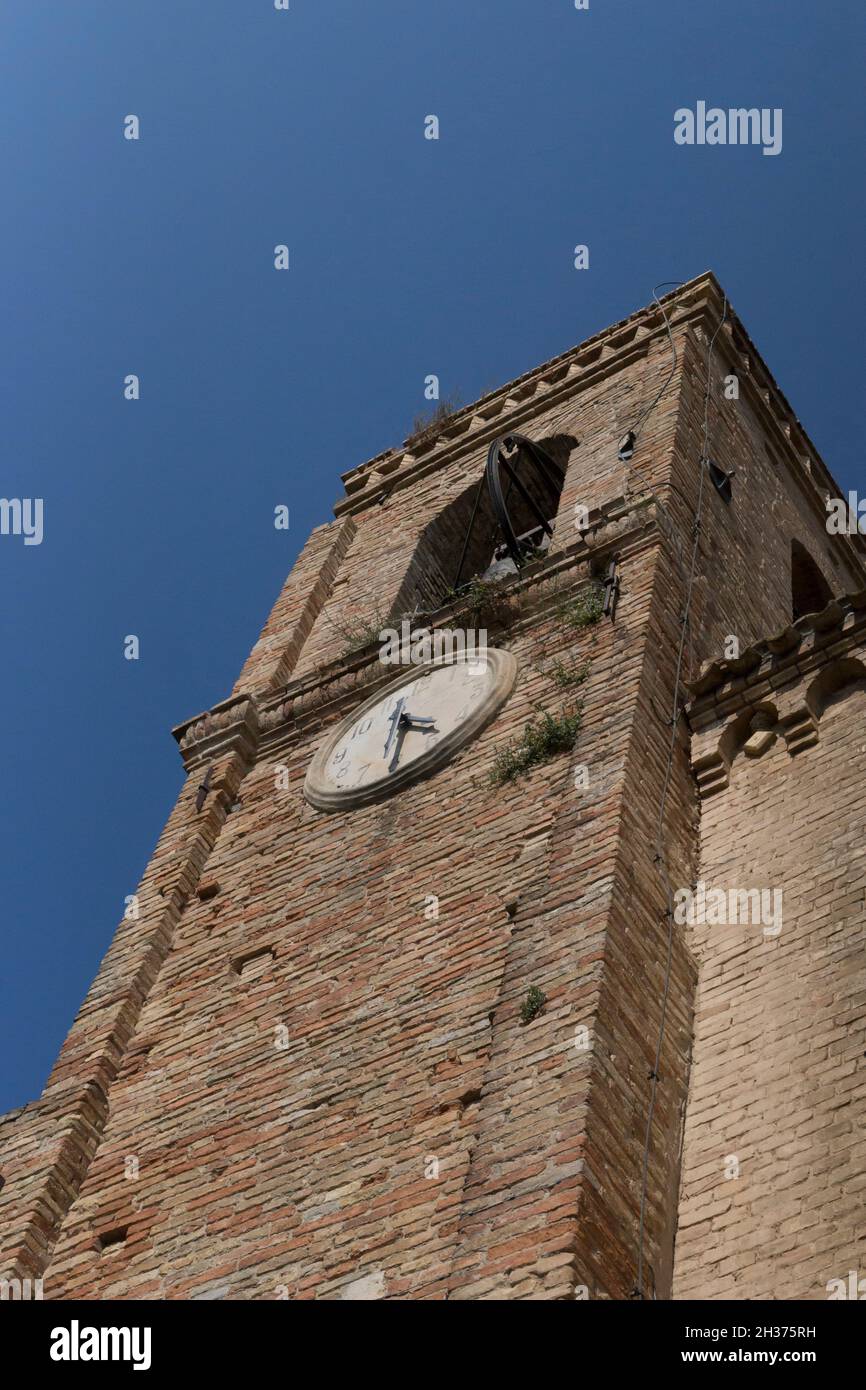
column 623, row 527
column 778, row 688
column 517, row 403
column 232, row 726
column 727, row 686
column 697, row 303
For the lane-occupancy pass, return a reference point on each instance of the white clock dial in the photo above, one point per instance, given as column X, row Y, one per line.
column 408, row 730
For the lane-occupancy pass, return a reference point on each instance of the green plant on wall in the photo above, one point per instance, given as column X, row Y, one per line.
column 481, row 603
column 359, row 631
column 584, row 608
column 543, row 737
column 566, row 675
column 428, row 426
column 546, row 735
column 533, row 1004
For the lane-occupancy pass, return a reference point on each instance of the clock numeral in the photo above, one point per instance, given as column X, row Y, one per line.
column 362, row 728
column 338, row 757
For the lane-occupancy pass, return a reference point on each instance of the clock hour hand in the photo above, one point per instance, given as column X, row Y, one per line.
column 423, row 720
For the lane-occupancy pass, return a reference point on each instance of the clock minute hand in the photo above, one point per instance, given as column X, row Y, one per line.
column 396, row 715
column 401, row 726
column 403, row 721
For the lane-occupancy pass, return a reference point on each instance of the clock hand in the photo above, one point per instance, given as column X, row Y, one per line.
column 404, row 721
column 398, row 744
column 396, row 715
column 401, row 721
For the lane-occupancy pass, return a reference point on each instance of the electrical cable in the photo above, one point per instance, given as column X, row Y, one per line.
column 644, row 416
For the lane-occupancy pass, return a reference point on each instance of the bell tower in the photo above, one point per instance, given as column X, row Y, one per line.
column 435, row 1031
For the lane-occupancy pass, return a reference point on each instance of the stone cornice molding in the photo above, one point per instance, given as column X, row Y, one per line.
column 230, row 727
column 778, row 688
column 726, row 686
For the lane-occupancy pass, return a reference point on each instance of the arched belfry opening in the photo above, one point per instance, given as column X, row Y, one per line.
column 810, row 591
column 498, row 524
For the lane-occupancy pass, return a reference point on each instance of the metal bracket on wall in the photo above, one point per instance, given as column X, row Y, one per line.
column 611, row 590
column 204, row 788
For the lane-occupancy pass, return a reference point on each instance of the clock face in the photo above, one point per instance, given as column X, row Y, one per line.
column 409, row 730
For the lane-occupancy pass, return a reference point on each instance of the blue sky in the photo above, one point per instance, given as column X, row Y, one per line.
column 408, row 257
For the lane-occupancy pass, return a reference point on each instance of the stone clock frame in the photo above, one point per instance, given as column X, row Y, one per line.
column 319, row 789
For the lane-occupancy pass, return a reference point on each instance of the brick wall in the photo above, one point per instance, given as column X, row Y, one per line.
column 304, row 1167
column 773, row 1167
